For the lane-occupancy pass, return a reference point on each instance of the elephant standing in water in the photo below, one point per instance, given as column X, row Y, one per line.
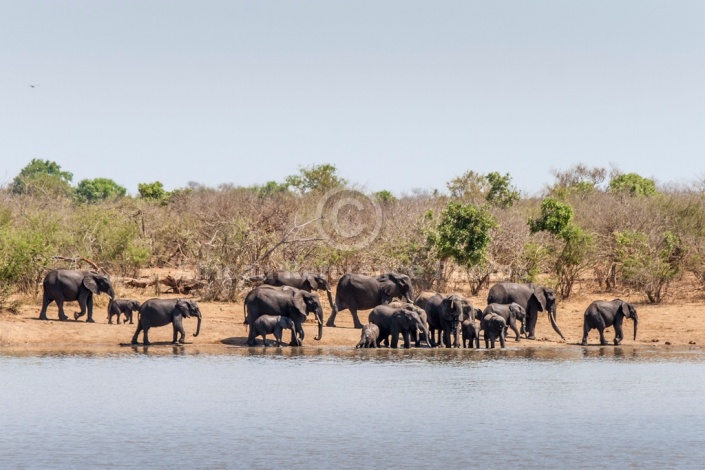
column 304, row 281
column 359, row 292
column 368, row 336
column 393, row 322
column 161, row 312
column 445, row 314
column 532, row 298
column 285, row 301
column 66, row 285
column 602, row 314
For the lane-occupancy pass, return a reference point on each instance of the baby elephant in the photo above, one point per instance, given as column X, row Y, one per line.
column 270, row 324
column 369, row 336
column 511, row 313
column 471, row 333
column 494, row 327
column 118, row 306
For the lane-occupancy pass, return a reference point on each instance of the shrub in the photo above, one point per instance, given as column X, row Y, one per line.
column 98, row 189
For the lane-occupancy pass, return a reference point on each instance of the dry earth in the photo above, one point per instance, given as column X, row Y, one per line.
column 671, row 324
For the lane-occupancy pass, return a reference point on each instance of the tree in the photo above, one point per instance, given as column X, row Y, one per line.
column 315, row 179
column 493, row 188
column 385, row 196
column 152, row 191
column 557, row 219
column 44, row 177
column 463, row 233
column 633, row 184
column 98, row 189
column 501, row 193
column 270, row 188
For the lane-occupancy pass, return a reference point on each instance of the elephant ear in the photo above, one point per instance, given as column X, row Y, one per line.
column 182, row 307
column 388, row 288
column 90, row 284
column 300, row 302
column 540, row 298
column 312, row 282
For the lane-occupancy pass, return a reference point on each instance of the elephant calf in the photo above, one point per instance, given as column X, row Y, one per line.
column 124, row 306
column 511, row 313
column 273, row 324
column 471, row 333
column 369, row 336
column 493, row 326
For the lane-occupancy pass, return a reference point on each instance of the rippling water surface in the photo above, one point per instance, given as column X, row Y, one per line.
column 293, row 408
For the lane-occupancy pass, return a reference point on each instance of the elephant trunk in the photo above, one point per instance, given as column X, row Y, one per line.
column 111, row 293
column 552, row 317
column 333, row 308
column 198, row 328
column 457, row 335
column 636, row 323
column 319, row 319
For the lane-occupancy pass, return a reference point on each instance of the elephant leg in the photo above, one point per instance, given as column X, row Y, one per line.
column 298, row 331
column 514, row 328
column 531, row 324
column 501, row 341
column 46, row 300
column 118, row 318
column 603, row 341
column 395, row 340
column 60, row 305
column 82, row 300
column 137, row 333
column 264, row 339
column 89, row 307
column 251, row 335
column 179, row 329
column 586, row 330
column 130, row 317
column 407, row 339
column 356, row 319
column 446, row 337
column 145, row 335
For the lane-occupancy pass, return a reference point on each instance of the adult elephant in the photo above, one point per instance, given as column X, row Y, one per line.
column 161, row 312
column 66, row 285
column 511, row 313
column 395, row 321
column 445, row 314
column 602, row 314
column 287, row 302
column 422, row 315
column 359, row 292
column 305, row 281
column 532, row 298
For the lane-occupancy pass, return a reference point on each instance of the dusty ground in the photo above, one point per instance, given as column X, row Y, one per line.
column 671, row 324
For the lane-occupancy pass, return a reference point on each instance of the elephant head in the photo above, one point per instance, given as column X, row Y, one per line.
column 546, row 300
column 189, row 308
column 318, row 282
column 396, row 285
column 517, row 312
column 133, row 305
column 408, row 320
column 306, row 302
column 629, row 311
column 97, row 283
column 452, row 312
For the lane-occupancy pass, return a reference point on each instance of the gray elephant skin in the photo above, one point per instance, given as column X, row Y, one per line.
column 532, row 298
column 305, row 281
column 359, row 292
column 66, row 285
column 285, row 301
column 273, row 325
column 422, row 315
column 125, row 306
column 511, row 313
column 445, row 314
column 602, row 314
column 393, row 322
column 471, row 333
column 368, row 336
column 493, row 326
column 161, row 312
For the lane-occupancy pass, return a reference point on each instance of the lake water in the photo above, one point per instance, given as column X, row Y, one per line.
column 187, row 407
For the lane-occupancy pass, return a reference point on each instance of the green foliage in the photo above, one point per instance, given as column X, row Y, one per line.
column 648, row 265
column 501, row 193
column 556, row 218
column 42, row 177
column 98, row 189
column 385, row 196
column 463, row 233
column 271, row 188
column 315, row 179
column 152, row 191
column 633, row 184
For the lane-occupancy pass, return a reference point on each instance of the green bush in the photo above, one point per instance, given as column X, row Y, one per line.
column 98, row 189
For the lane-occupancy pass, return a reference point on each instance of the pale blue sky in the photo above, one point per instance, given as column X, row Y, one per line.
column 398, row 94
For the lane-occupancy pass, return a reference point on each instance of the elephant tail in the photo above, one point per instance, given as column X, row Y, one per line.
column 244, row 311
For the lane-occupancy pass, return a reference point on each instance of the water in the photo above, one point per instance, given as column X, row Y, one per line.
column 247, row 408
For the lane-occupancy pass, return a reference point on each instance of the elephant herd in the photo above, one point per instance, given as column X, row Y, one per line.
column 285, row 299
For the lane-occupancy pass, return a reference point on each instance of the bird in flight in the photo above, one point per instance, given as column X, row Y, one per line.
column 32, row 86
